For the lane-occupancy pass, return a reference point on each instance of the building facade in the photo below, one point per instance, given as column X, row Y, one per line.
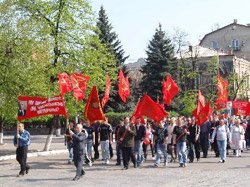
column 227, row 63
column 233, row 39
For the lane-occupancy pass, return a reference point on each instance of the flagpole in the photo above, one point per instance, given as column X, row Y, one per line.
column 182, row 134
column 17, row 132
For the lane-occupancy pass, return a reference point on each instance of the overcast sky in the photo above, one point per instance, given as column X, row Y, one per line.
column 135, row 21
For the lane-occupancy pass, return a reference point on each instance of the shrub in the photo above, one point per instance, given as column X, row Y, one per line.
column 114, row 117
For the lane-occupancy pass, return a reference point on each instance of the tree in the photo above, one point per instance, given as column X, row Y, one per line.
column 66, row 33
column 110, row 39
column 160, row 58
column 20, row 70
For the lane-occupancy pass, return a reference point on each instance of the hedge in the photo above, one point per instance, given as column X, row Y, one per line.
column 114, row 118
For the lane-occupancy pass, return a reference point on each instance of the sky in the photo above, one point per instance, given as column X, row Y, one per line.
column 135, row 21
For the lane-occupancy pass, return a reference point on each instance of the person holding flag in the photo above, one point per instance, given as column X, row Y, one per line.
column 79, row 141
column 161, row 139
column 22, row 141
column 193, row 141
column 69, row 141
column 118, row 143
column 127, row 138
column 140, row 135
column 180, row 137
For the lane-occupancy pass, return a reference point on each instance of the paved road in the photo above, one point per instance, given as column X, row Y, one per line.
column 54, row 171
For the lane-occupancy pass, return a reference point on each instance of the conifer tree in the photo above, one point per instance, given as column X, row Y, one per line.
column 159, row 62
column 110, row 39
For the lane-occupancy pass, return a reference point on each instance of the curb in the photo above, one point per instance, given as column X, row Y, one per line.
column 34, row 154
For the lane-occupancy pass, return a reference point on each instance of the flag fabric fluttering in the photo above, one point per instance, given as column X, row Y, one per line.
column 79, row 83
column 105, row 99
column 222, row 87
column 64, row 83
column 204, row 114
column 123, row 87
column 135, row 115
column 201, row 102
column 93, row 110
column 169, row 90
column 147, row 107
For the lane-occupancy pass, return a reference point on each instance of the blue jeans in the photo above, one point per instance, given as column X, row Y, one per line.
column 161, row 148
column 181, row 148
column 89, row 146
column 222, row 145
column 105, row 150
column 70, row 149
column 138, row 150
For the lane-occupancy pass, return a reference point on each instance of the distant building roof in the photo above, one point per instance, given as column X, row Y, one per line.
column 199, row 51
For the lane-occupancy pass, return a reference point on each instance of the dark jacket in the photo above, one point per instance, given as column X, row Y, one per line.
column 129, row 137
column 140, row 132
column 79, row 143
column 194, row 131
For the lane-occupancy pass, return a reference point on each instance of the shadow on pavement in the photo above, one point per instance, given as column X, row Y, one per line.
column 3, row 176
column 246, row 167
column 51, row 179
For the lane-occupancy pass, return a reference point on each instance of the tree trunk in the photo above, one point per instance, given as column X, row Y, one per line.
column 1, row 131
column 58, row 128
column 51, row 132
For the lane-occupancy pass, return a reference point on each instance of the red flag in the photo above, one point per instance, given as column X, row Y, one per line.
column 79, row 83
column 134, row 115
column 147, row 107
column 30, row 107
column 204, row 114
column 93, row 110
column 222, row 87
column 107, row 91
column 123, row 87
column 158, row 102
column 64, row 83
column 201, row 102
column 169, row 90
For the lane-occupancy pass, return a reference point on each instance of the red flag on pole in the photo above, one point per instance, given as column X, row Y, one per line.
column 222, row 87
column 147, row 107
column 169, row 90
column 201, row 102
column 134, row 115
column 204, row 114
column 79, row 83
column 64, row 83
column 93, row 110
column 107, row 91
column 123, row 87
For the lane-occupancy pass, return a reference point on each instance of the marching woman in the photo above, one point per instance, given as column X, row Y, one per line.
column 222, row 135
column 171, row 147
column 148, row 141
column 237, row 132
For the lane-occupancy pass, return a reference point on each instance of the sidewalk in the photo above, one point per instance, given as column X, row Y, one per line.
column 8, row 150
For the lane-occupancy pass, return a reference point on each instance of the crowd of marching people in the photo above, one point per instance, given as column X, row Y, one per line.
column 178, row 140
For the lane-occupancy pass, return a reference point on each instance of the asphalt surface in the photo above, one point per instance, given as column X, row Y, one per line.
column 53, row 171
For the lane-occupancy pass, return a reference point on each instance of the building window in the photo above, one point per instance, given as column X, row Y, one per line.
column 235, row 45
column 214, row 45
